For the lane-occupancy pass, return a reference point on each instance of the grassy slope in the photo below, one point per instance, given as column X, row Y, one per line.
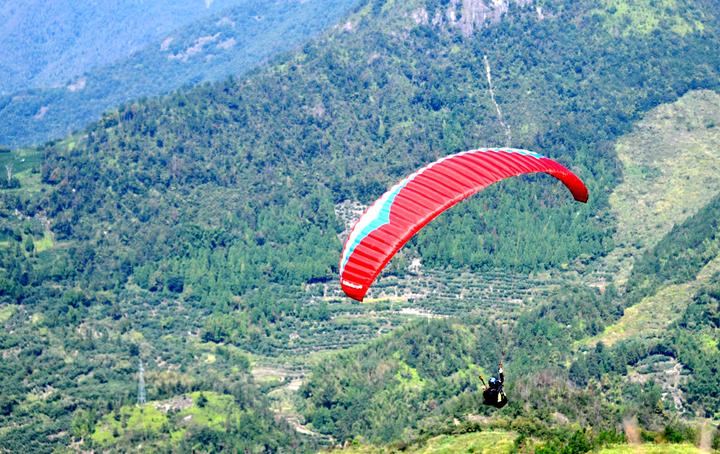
column 641, row 17
column 498, row 441
column 486, row 442
column 153, row 419
column 654, row 313
column 670, row 176
column 25, row 166
column 651, row 448
column 6, row 311
column 671, row 170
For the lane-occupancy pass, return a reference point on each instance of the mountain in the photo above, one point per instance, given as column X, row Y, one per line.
column 151, row 52
column 197, row 229
column 47, row 44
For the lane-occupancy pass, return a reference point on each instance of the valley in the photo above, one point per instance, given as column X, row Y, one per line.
column 187, row 245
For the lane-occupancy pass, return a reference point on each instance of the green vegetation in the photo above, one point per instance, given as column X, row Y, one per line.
column 6, row 311
column 649, row 448
column 654, row 313
column 641, row 17
column 673, row 287
column 205, row 185
column 670, row 177
column 670, row 171
column 480, row 442
column 20, row 169
column 47, row 44
column 648, row 318
column 129, row 420
column 681, row 255
column 198, row 233
column 424, row 377
column 204, row 420
column 44, row 243
column 500, row 441
column 426, row 368
column 692, row 341
column 485, row 442
column 695, row 339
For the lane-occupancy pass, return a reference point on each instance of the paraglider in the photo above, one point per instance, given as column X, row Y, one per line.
column 412, row 203
column 493, row 393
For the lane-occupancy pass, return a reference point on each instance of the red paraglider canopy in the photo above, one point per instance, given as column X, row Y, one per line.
column 418, row 199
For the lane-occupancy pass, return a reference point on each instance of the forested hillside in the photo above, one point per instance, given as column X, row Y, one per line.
column 45, row 44
column 199, row 233
column 144, row 53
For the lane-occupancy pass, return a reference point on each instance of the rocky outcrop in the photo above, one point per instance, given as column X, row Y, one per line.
column 470, row 15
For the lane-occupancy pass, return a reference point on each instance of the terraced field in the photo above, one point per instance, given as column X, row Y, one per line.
column 667, row 372
column 393, row 300
column 458, row 292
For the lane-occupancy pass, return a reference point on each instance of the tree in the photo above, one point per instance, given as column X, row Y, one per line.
column 29, row 244
column 176, row 284
column 201, row 401
column 83, row 424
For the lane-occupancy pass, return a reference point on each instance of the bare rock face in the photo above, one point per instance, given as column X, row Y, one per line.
column 470, row 15
column 479, row 13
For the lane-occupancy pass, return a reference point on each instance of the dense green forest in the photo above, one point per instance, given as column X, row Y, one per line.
column 198, row 233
